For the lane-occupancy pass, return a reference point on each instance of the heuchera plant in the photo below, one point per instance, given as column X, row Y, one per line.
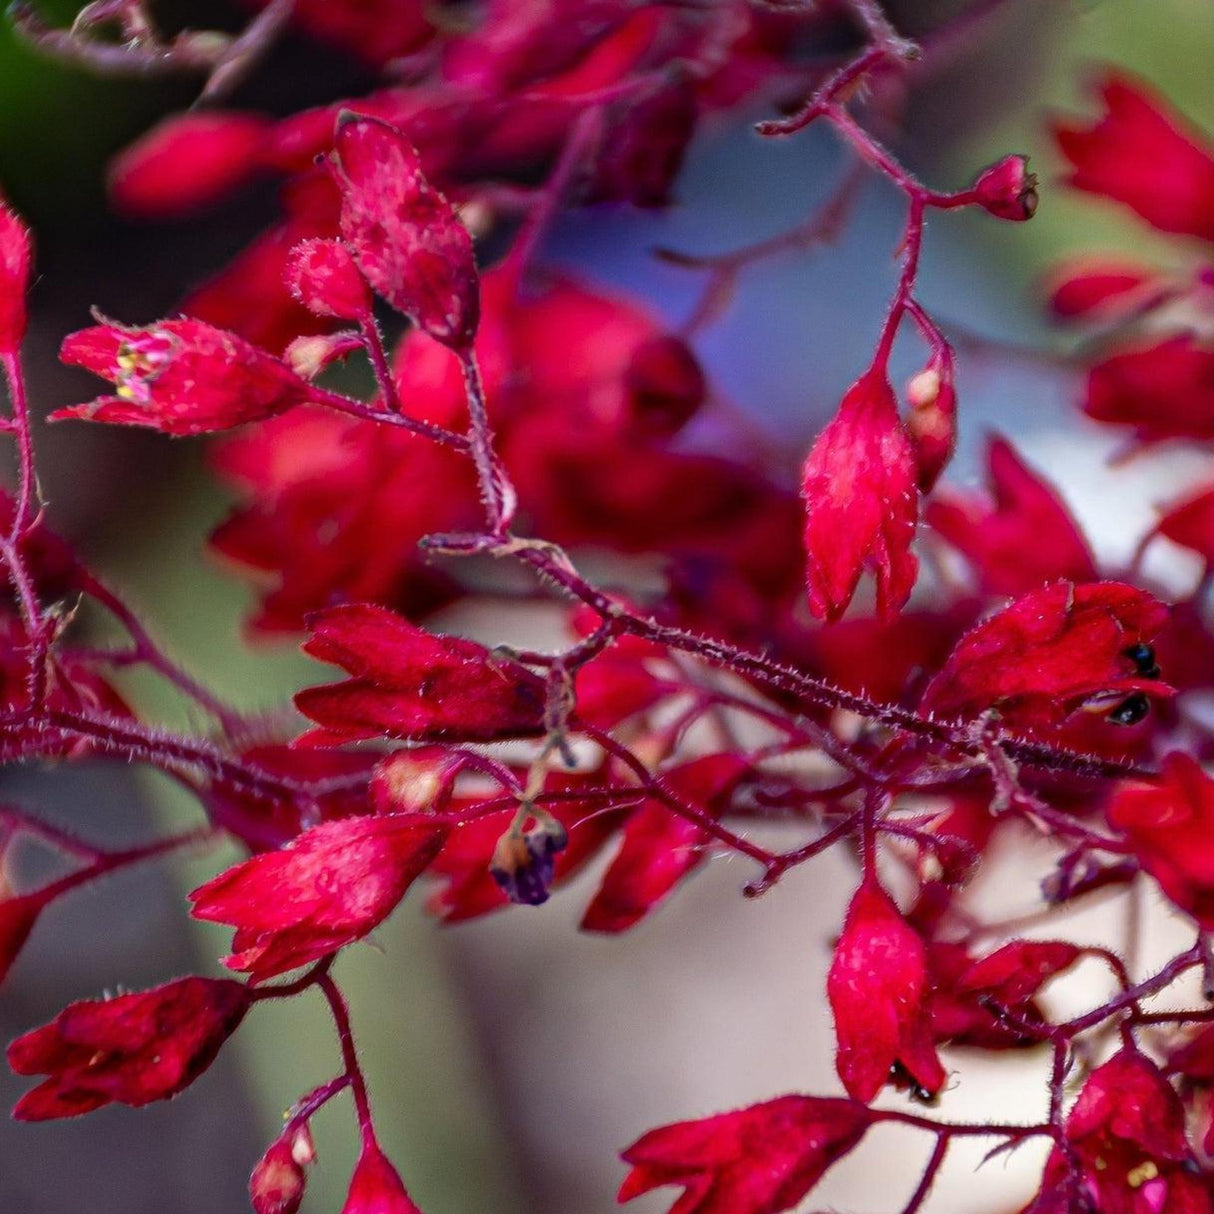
column 525, row 414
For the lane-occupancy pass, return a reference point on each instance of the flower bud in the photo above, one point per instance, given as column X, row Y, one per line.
column 278, row 1180
column 323, row 276
column 932, row 419
column 523, row 862
column 1007, row 189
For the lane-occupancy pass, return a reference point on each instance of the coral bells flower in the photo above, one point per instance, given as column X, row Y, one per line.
column 1126, row 1132
column 878, row 990
column 1143, row 154
column 16, row 253
column 861, row 502
column 330, row 887
column 180, row 377
column 758, row 1160
column 1018, row 536
column 1052, row 652
column 129, row 1050
column 375, row 1187
column 410, row 683
column 1007, row 190
column 660, row 847
column 187, row 162
column 1170, row 824
column 405, row 236
column 1164, row 389
column 17, row 918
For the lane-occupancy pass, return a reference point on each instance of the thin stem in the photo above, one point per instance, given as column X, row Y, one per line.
column 345, row 1036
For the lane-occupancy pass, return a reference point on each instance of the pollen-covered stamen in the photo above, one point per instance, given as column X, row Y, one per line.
column 139, row 363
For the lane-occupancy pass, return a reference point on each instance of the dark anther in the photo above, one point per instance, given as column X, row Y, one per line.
column 1131, row 710
column 1143, row 657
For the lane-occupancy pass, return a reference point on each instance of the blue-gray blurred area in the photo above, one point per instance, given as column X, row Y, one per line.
column 512, row 1059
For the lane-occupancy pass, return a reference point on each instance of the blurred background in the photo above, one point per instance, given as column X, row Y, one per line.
column 511, row 1059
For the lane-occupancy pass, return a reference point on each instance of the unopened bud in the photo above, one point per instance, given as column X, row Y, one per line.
column 1007, row 189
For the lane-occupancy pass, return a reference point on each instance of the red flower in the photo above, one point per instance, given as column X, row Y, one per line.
column 405, row 236
column 1165, row 390
column 660, row 847
column 861, row 502
column 1007, row 190
column 17, row 918
column 16, row 253
column 323, row 276
column 1103, row 290
column 879, row 993
column 180, row 377
column 1190, row 523
column 330, row 887
column 1019, row 536
column 410, row 683
column 968, row 996
column 375, row 1187
column 758, row 1160
column 1170, row 824
column 132, row 1049
column 1127, row 1133
column 1145, row 155
column 1052, row 652
column 187, row 162
column 337, row 508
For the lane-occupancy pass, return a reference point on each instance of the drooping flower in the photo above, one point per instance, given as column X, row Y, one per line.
column 405, row 236
column 1143, row 154
column 879, row 992
column 18, row 914
column 1170, row 824
column 410, row 683
column 131, row 1049
column 1053, row 651
column 376, row 1187
column 1164, row 389
column 330, row 887
column 759, row 1160
column 180, row 377
column 1019, row 535
column 861, row 502
column 1127, row 1133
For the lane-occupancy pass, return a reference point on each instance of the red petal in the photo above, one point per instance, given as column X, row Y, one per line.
column 410, row 683
column 1043, row 657
column 1145, row 155
column 861, row 502
column 405, row 236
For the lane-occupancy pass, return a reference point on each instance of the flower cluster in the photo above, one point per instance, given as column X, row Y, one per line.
column 996, row 681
